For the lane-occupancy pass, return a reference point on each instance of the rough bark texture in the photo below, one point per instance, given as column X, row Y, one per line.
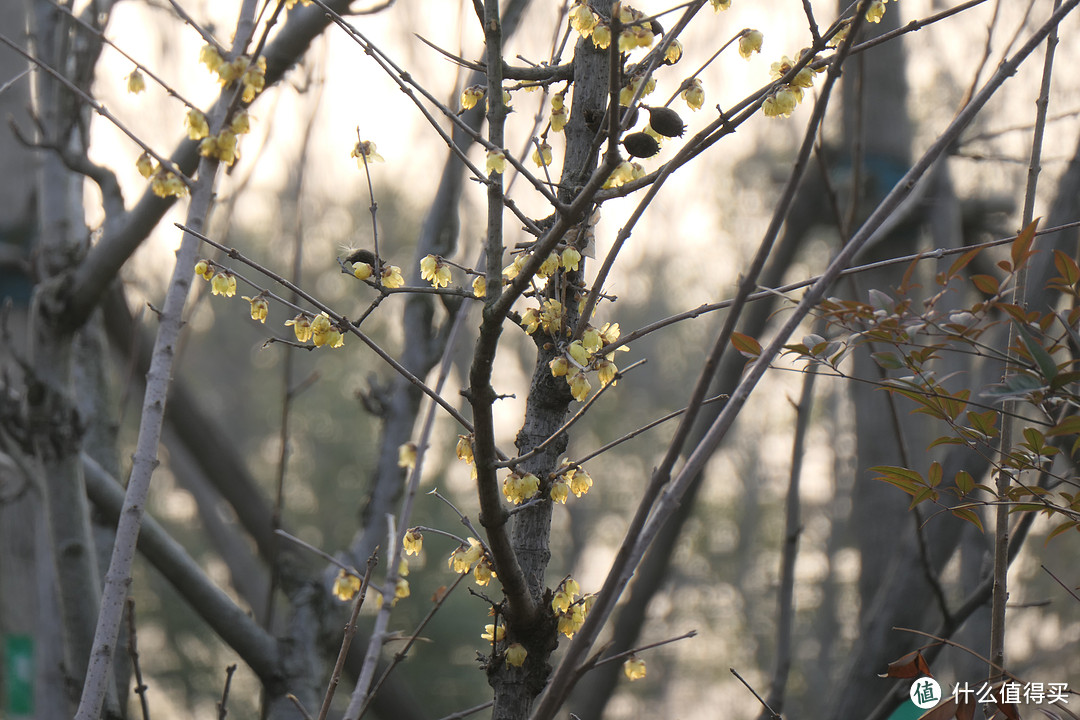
column 547, row 407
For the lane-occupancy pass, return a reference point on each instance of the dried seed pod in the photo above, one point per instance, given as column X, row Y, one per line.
column 656, row 27
column 632, row 113
column 666, row 121
column 641, row 145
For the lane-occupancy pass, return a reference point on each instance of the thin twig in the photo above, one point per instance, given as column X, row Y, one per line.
column 133, row 652
column 346, row 640
column 772, row 713
column 222, row 705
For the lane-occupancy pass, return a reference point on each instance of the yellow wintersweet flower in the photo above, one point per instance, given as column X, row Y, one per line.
column 718, row 5
column 223, row 283
column 259, row 307
column 290, row 4
column 494, row 634
column 324, row 333
column 579, row 386
column 226, row 147
column 673, row 53
column 803, row 79
column 570, row 258
column 346, row 586
column 195, row 122
column 204, row 269
column 609, row 333
column 512, row 270
column 542, row 154
column 606, row 371
column 464, row 450
column 254, row 79
column 413, row 542
column 583, row 19
column 136, row 83
column 601, row 35
column 166, row 184
column 590, row 339
column 627, row 93
column 391, row 277
column 362, row 270
column 518, row 488
column 876, row 11
column 483, row 572
column 694, row 95
column 558, row 100
column 779, row 69
column 634, row 668
column 549, row 266
column 750, row 43
column 516, row 654
column 551, row 316
column 145, row 165
column 559, row 118
column 471, row 95
column 530, row 320
column 560, row 367
column 462, row 559
column 622, row 174
column 241, row 123
column 560, row 490
column 407, row 455
column 301, row 325
column 781, row 103
column 571, row 622
column 210, row 57
column 479, row 286
column 365, row 151
column 496, row 162
column 579, row 480
column 579, row 354
column 435, row 271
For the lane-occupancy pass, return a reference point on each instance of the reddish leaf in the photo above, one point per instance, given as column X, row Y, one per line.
column 1021, row 246
column 962, row 262
column 988, row 284
column 934, row 475
column 970, row 515
column 1063, row 527
column 912, row 665
column 1068, row 426
column 1070, row 271
column 745, row 344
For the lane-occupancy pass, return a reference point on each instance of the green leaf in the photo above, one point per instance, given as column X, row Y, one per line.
column 922, row 496
column 964, row 482
column 887, row 360
column 1046, row 364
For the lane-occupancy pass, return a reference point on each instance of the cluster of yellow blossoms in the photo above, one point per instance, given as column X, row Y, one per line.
column 583, row 355
column 318, row 329
column 784, row 99
column 570, row 608
column 472, row 557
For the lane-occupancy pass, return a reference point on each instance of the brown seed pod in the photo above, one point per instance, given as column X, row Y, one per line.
column 666, row 121
column 656, row 27
column 632, row 113
column 641, row 145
